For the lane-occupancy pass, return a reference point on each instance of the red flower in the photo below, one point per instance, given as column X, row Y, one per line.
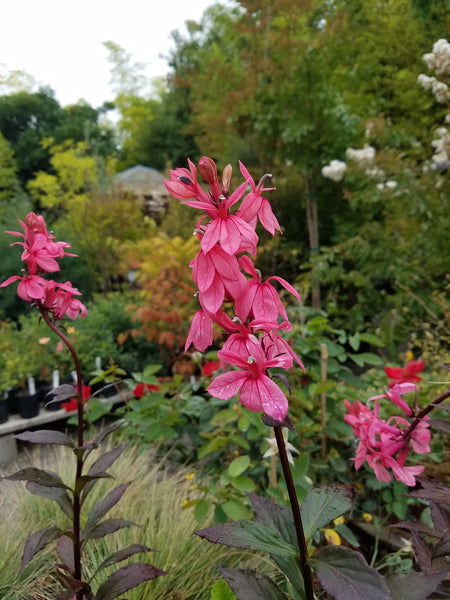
column 142, row 388
column 72, row 404
column 407, row 374
column 210, row 367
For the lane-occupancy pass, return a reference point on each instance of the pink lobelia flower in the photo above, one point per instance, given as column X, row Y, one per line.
column 260, row 300
column 30, row 288
column 183, row 184
column 406, row 374
column 395, row 395
column 254, row 206
column 200, row 332
column 256, row 390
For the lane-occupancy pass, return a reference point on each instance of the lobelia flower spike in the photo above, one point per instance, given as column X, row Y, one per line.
column 226, row 232
column 385, row 444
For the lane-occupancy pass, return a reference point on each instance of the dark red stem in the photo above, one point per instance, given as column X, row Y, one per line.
column 79, row 468
column 423, row 413
column 301, row 540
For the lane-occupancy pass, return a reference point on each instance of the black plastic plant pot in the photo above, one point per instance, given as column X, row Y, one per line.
column 28, row 405
column 13, row 406
column 4, row 410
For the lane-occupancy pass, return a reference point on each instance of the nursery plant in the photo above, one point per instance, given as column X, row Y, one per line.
column 56, row 301
column 233, row 295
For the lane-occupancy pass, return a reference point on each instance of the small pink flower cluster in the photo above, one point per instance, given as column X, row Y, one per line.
column 385, row 444
column 40, row 254
column 227, row 238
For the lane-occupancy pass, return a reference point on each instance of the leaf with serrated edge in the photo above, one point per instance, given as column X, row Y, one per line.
column 249, row 535
column 126, row 578
column 45, row 478
column 250, row 585
column 46, row 436
column 344, row 574
column 275, row 516
column 413, row 586
column 104, row 506
column 323, row 505
column 58, row 495
column 107, row 526
column 36, row 542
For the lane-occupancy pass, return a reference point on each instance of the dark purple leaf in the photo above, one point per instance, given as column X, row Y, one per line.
column 45, row 478
column 64, row 549
column 433, row 490
column 62, row 393
column 46, row 436
column 442, row 548
column 59, row 495
column 323, row 505
column 422, row 551
column 277, row 517
column 250, row 585
column 36, row 542
column 413, row 586
column 416, row 526
column 126, row 578
column 113, row 427
column 120, row 555
column 102, row 464
column 440, row 516
column 345, row 574
column 274, row 423
column 440, row 424
column 104, row 506
column 84, row 480
column 108, row 526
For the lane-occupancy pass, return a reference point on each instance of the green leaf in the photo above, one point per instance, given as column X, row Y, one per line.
column 354, row 341
column 238, row 465
column 37, row 542
column 126, row 578
column 344, row 574
column 46, row 436
column 243, row 483
column 97, row 409
column 221, row 591
column 202, row 508
column 250, row 585
column 236, row 510
column 249, row 535
column 225, row 416
column 366, row 358
column 347, row 534
column 324, row 386
column 372, row 339
column 323, row 505
column 211, row 446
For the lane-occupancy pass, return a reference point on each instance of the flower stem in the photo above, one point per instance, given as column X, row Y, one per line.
column 79, row 455
column 301, row 541
column 423, row 413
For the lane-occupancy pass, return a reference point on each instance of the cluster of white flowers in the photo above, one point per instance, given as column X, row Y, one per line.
column 389, row 185
column 441, row 147
column 374, row 172
column 335, row 170
column 363, row 156
column 439, row 88
column 438, row 60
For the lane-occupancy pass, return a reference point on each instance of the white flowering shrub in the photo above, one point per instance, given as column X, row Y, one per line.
column 335, row 170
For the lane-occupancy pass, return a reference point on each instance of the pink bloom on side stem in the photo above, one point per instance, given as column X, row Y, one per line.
column 395, row 395
column 30, row 288
column 183, row 184
column 408, row 373
column 200, row 332
column 256, row 390
column 255, row 206
column 261, row 300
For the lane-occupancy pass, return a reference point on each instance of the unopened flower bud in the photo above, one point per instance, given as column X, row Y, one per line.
column 208, row 170
column 226, row 179
column 35, row 222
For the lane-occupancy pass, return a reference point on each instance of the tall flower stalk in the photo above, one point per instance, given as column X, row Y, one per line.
column 56, row 301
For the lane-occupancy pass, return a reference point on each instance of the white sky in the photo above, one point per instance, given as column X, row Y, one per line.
column 59, row 42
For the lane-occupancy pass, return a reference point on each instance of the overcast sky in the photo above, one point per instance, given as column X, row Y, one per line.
column 59, row 42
